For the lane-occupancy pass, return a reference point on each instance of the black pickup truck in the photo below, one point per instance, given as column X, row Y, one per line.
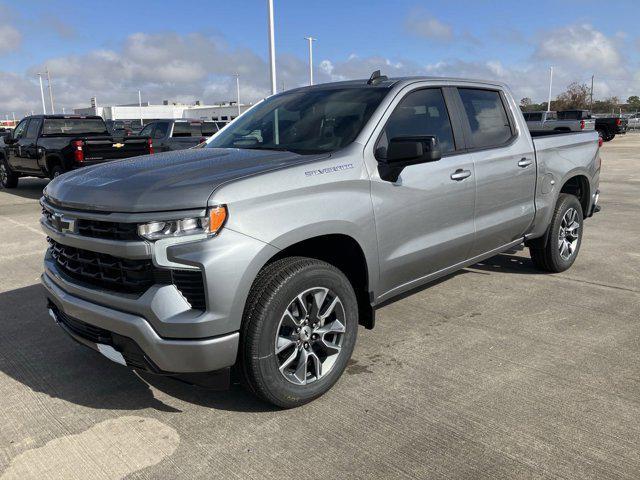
column 609, row 127
column 47, row 145
column 170, row 135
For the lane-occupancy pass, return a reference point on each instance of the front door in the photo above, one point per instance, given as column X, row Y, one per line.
column 14, row 149
column 424, row 220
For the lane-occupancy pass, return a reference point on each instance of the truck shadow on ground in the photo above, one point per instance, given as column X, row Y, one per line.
column 30, row 188
column 35, row 352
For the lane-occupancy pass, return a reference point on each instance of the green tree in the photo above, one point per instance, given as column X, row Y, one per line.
column 575, row 97
column 634, row 102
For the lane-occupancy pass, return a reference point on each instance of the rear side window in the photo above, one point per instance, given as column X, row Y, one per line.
column 209, row 128
column 532, row 116
column 422, row 112
column 184, row 129
column 161, row 130
column 33, row 128
column 488, row 120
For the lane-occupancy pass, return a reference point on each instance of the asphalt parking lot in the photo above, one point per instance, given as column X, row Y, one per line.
column 495, row 372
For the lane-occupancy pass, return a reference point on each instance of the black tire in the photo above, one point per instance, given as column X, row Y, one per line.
column 55, row 172
column 549, row 258
column 8, row 178
column 273, row 291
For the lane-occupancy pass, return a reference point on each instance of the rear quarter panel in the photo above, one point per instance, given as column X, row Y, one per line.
column 559, row 158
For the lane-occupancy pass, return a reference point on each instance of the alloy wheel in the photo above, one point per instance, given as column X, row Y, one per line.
column 309, row 335
column 569, row 233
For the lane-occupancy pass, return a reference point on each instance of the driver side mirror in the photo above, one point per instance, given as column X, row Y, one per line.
column 8, row 138
column 405, row 151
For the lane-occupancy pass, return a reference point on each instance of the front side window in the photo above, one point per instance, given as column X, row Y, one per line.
column 146, row 131
column 19, row 131
column 487, row 117
column 304, row 121
column 420, row 113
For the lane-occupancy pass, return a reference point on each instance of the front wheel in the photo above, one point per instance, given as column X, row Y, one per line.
column 55, row 172
column 299, row 331
column 8, row 178
column 564, row 237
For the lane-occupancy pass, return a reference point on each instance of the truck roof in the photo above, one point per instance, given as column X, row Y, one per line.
column 390, row 82
column 49, row 116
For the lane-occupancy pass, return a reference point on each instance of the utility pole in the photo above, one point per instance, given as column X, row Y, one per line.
column 310, row 40
column 550, row 84
column 140, row 106
column 272, row 49
column 50, row 89
column 44, row 106
column 13, row 114
column 237, row 75
column 591, row 96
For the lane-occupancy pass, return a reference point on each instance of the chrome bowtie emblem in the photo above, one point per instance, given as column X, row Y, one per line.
column 63, row 224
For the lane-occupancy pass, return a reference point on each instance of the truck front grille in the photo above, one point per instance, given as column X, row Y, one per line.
column 103, row 270
column 108, row 230
column 125, row 275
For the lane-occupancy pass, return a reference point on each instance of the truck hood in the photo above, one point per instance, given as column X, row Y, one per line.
column 178, row 180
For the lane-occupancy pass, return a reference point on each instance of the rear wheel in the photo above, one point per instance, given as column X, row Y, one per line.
column 564, row 237
column 8, row 178
column 299, row 331
column 56, row 171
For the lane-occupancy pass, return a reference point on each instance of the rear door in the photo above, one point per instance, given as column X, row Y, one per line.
column 505, row 169
column 424, row 220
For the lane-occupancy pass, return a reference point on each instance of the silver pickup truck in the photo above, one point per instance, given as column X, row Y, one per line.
column 265, row 249
column 558, row 122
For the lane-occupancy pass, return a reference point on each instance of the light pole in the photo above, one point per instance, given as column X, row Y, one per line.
column 272, row 49
column 44, row 106
column 550, row 84
column 140, row 106
column 310, row 40
column 50, row 89
column 237, row 75
column 591, row 96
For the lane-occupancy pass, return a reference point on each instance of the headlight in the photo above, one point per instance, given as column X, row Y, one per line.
column 210, row 224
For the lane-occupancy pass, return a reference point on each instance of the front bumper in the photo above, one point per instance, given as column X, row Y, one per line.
column 159, row 355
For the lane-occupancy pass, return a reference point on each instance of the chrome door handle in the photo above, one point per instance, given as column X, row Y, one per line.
column 460, row 174
column 525, row 162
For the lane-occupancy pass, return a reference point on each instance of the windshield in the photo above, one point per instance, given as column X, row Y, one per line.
column 306, row 121
column 74, row 126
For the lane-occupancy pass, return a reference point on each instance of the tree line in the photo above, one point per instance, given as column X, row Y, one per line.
column 577, row 96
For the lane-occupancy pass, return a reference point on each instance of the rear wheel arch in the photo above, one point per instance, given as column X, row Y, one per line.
column 578, row 185
column 52, row 160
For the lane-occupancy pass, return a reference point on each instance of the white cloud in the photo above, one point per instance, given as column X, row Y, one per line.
column 579, row 45
column 10, row 38
column 423, row 24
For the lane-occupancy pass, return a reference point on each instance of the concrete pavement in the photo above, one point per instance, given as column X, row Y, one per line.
column 495, row 372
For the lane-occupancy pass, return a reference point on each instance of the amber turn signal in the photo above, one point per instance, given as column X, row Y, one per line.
column 217, row 217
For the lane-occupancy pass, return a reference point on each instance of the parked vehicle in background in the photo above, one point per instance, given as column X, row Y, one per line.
column 47, row 145
column 266, row 249
column 170, row 135
column 633, row 121
column 610, row 126
column 551, row 122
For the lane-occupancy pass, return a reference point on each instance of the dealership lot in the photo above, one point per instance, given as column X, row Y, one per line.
column 495, row 372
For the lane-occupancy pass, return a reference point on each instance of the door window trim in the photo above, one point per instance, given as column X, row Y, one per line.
column 467, row 127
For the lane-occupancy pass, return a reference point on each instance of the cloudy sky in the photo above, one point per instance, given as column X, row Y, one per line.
column 187, row 50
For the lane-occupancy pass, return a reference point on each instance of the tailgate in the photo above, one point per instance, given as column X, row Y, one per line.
column 97, row 150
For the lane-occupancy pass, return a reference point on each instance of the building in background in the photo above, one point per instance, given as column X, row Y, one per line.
column 147, row 112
